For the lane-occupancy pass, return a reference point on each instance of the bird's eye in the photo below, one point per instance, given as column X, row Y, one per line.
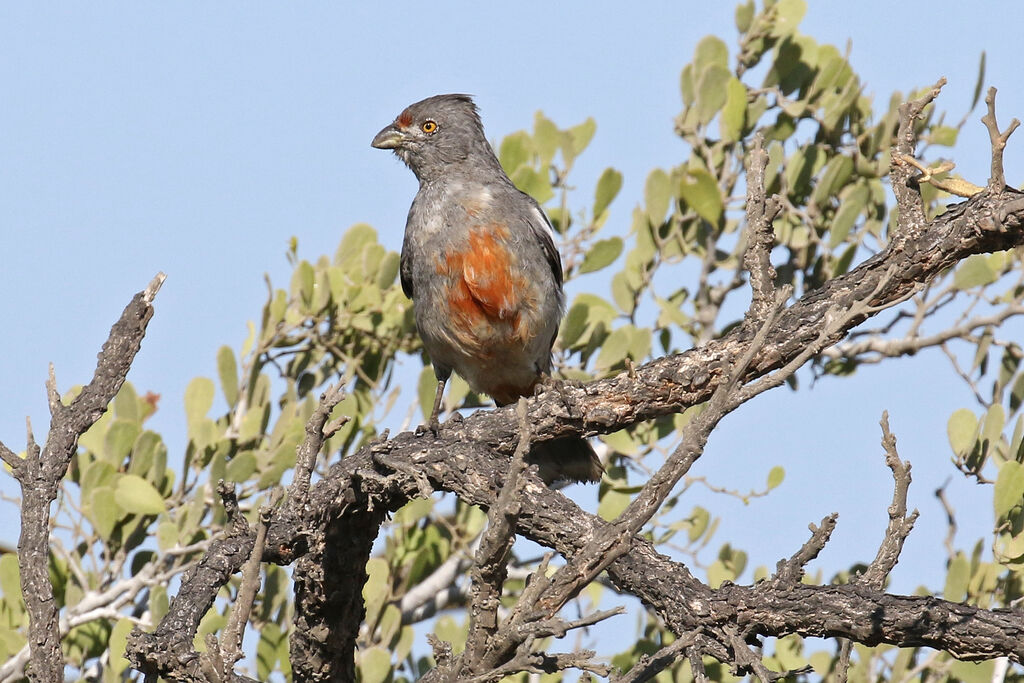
column 428, row 127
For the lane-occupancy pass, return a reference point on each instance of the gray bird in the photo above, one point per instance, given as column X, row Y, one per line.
column 480, row 264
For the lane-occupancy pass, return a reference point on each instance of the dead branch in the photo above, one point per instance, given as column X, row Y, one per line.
column 900, row 523
column 792, row 570
column 761, row 211
column 490, row 568
column 997, row 178
column 908, row 195
column 41, row 471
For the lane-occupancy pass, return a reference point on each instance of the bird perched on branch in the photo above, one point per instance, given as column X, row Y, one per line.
column 480, row 264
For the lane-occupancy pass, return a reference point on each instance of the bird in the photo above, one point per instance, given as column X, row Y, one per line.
column 480, row 264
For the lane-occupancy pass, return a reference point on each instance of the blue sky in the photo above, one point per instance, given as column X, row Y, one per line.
column 197, row 138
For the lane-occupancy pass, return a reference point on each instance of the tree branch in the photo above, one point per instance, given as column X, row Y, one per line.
column 997, row 179
column 42, row 470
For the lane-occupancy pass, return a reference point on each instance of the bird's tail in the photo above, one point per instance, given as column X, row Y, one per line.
column 567, row 459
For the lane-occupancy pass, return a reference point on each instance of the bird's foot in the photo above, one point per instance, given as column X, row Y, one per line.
column 433, row 426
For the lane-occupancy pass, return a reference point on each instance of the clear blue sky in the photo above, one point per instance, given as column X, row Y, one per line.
column 197, row 138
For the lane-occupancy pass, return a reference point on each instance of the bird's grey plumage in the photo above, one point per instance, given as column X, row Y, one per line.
column 480, row 263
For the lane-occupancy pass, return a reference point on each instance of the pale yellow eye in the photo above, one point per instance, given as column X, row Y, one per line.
column 428, row 127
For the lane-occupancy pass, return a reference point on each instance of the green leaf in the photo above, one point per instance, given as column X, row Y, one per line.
column 788, row 15
column 711, row 92
column 148, row 453
column 390, row 623
column 836, row 174
column 167, row 535
column 546, row 137
column 744, row 16
column 211, row 622
column 802, row 166
column 700, row 192
column 374, row 664
column 426, row 390
column 303, row 281
column 657, row 192
column 227, row 369
column 126, row 403
column 992, row 426
column 267, row 649
column 614, row 350
column 533, row 183
column 849, row 210
column 515, row 151
column 671, row 312
column 943, row 135
column 612, row 504
column 105, row 512
column 718, row 574
column 699, row 520
column 158, row 602
column 957, row 578
column 1009, row 489
column 376, row 589
column 241, row 467
column 11, row 642
column 775, row 476
column 137, row 496
column 973, row 672
column 621, row 442
column 574, row 324
column 352, row 243
column 734, row 112
column 451, row 632
column 608, row 186
column 388, row 270
column 120, row 438
column 579, row 137
column 962, row 430
column 198, row 399
column 710, row 51
column 622, row 293
column 974, row 271
column 980, row 83
column 97, row 473
column 10, row 578
column 686, row 88
column 117, row 644
column 601, row 255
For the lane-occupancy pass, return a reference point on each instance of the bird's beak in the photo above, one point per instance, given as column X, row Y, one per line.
column 389, row 138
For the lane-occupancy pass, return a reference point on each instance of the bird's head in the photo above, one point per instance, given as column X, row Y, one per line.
column 433, row 134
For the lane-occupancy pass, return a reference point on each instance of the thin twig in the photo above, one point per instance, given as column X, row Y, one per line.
column 231, row 638
column 792, row 570
column 316, row 433
column 997, row 177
